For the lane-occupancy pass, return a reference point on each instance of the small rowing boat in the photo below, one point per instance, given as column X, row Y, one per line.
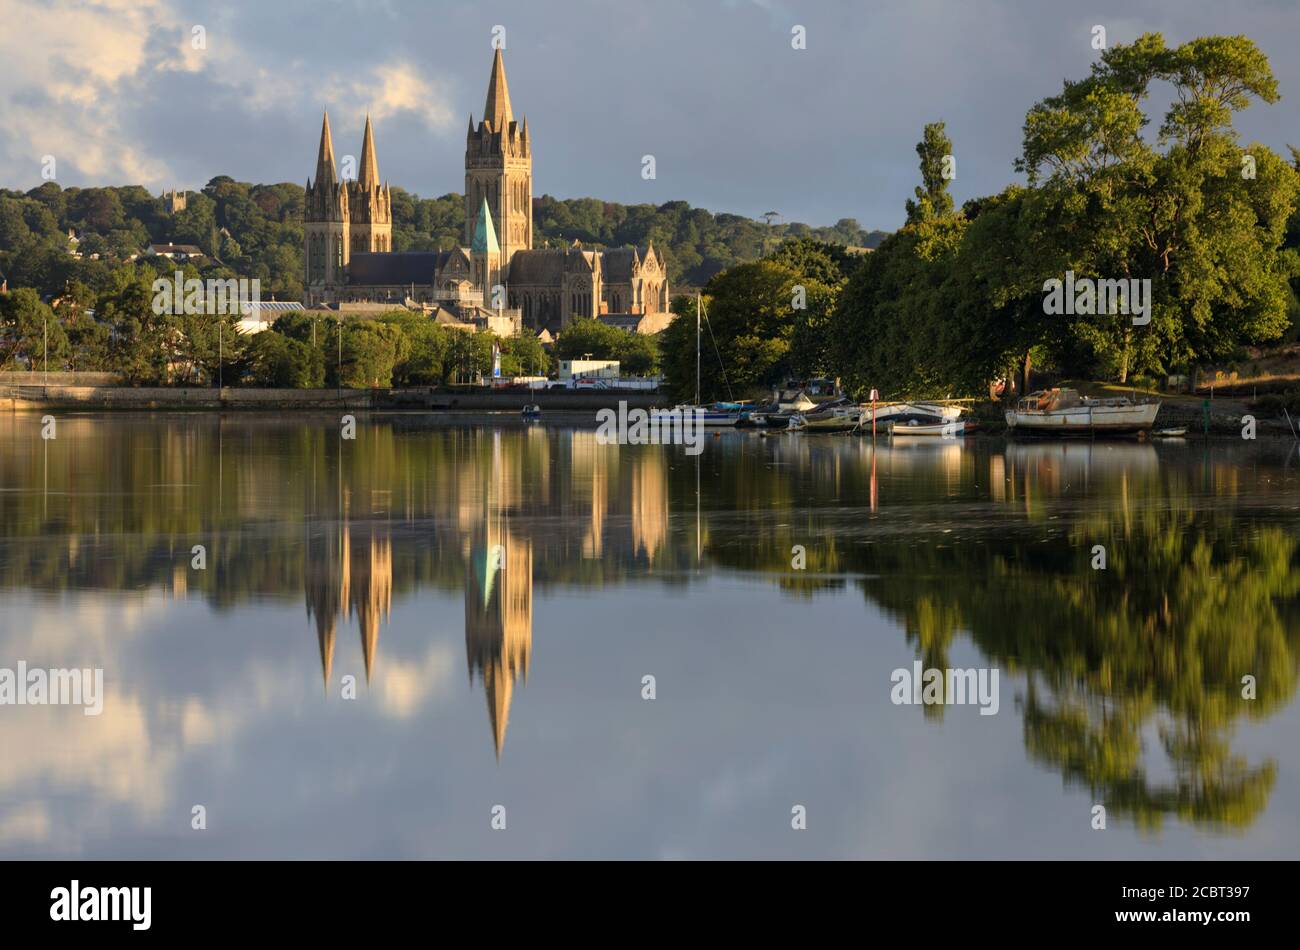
column 953, row 429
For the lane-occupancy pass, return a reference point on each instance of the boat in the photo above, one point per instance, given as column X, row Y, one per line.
column 777, row 413
column 950, row 429
column 838, row 415
column 1065, row 412
column 720, row 414
column 922, row 413
column 1171, row 433
column 532, row 412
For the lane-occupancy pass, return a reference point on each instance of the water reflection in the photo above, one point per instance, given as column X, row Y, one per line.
column 1129, row 678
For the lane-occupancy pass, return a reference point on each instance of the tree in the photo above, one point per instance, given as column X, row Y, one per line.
column 587, row 337
column 1195, row 214
column 469, row 356
column 25, row 326
column 370, row 351
column 746, row 341
column 932, row 198
column 522, row 355
column 275, row 360
column 143, row 342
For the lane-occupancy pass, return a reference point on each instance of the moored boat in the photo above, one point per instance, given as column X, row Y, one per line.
column 922, row 413
column 839, row 415
column 1066, row 412
column 777, row 413
column 949, row 429
column 718, row 415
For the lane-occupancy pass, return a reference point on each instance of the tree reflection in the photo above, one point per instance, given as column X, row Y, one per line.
column 1132, row 675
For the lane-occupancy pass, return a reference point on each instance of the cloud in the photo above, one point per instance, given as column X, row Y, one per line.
column 88, row 83
column 406, row 686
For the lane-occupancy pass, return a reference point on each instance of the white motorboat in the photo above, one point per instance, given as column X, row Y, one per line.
column 785, row 404
column 1065, row 412
column 923, row 413
column 840, row 415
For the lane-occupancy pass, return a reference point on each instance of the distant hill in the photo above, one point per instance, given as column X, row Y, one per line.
column 256, row 231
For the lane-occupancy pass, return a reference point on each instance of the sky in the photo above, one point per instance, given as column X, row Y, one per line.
column 736, row 118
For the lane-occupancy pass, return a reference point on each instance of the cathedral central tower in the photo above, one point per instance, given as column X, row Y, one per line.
column 499, row 169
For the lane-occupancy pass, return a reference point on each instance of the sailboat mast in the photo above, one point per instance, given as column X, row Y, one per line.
column 697, row 347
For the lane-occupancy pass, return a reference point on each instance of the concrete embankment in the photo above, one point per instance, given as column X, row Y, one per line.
column 96, row 398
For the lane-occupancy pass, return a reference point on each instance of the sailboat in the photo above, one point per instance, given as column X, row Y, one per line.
column 718, row 414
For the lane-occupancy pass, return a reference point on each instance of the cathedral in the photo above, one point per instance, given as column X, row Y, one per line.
column 496, row 278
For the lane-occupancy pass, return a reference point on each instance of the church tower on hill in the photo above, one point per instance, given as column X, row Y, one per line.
column 499, row 169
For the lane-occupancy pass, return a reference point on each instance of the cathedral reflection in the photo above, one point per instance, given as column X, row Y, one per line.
column 499, row 618
column 349, row 570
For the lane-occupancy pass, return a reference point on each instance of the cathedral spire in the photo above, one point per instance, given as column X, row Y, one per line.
column 485, row 236
column 368, row 173
column 497, row 110
column 325, row 172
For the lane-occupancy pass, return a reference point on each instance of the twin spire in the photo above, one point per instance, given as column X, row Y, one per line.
column 326, row 172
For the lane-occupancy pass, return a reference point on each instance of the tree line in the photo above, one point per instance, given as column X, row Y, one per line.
column 127, row 335
column 955, row 299
column 253, row 230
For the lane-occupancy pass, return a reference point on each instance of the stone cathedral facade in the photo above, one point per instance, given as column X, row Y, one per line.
column 496, row 273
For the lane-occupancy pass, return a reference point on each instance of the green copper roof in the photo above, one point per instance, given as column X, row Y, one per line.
column 485, row 236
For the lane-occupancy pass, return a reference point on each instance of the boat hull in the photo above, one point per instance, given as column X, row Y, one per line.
column 1084, row 420
column 839, row 421
column 946, row 430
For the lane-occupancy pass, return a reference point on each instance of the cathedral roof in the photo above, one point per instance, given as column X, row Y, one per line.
column 485, row 236
column 407, row 267
column 620, row 264
column 497, row 110
column 537, row 266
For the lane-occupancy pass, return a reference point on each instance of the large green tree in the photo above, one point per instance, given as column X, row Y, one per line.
column 1193, row 211
column 29, row 332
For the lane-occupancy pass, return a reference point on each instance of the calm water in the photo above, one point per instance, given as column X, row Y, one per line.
column 498, row 596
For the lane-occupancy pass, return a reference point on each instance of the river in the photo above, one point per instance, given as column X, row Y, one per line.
column 499, row 640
